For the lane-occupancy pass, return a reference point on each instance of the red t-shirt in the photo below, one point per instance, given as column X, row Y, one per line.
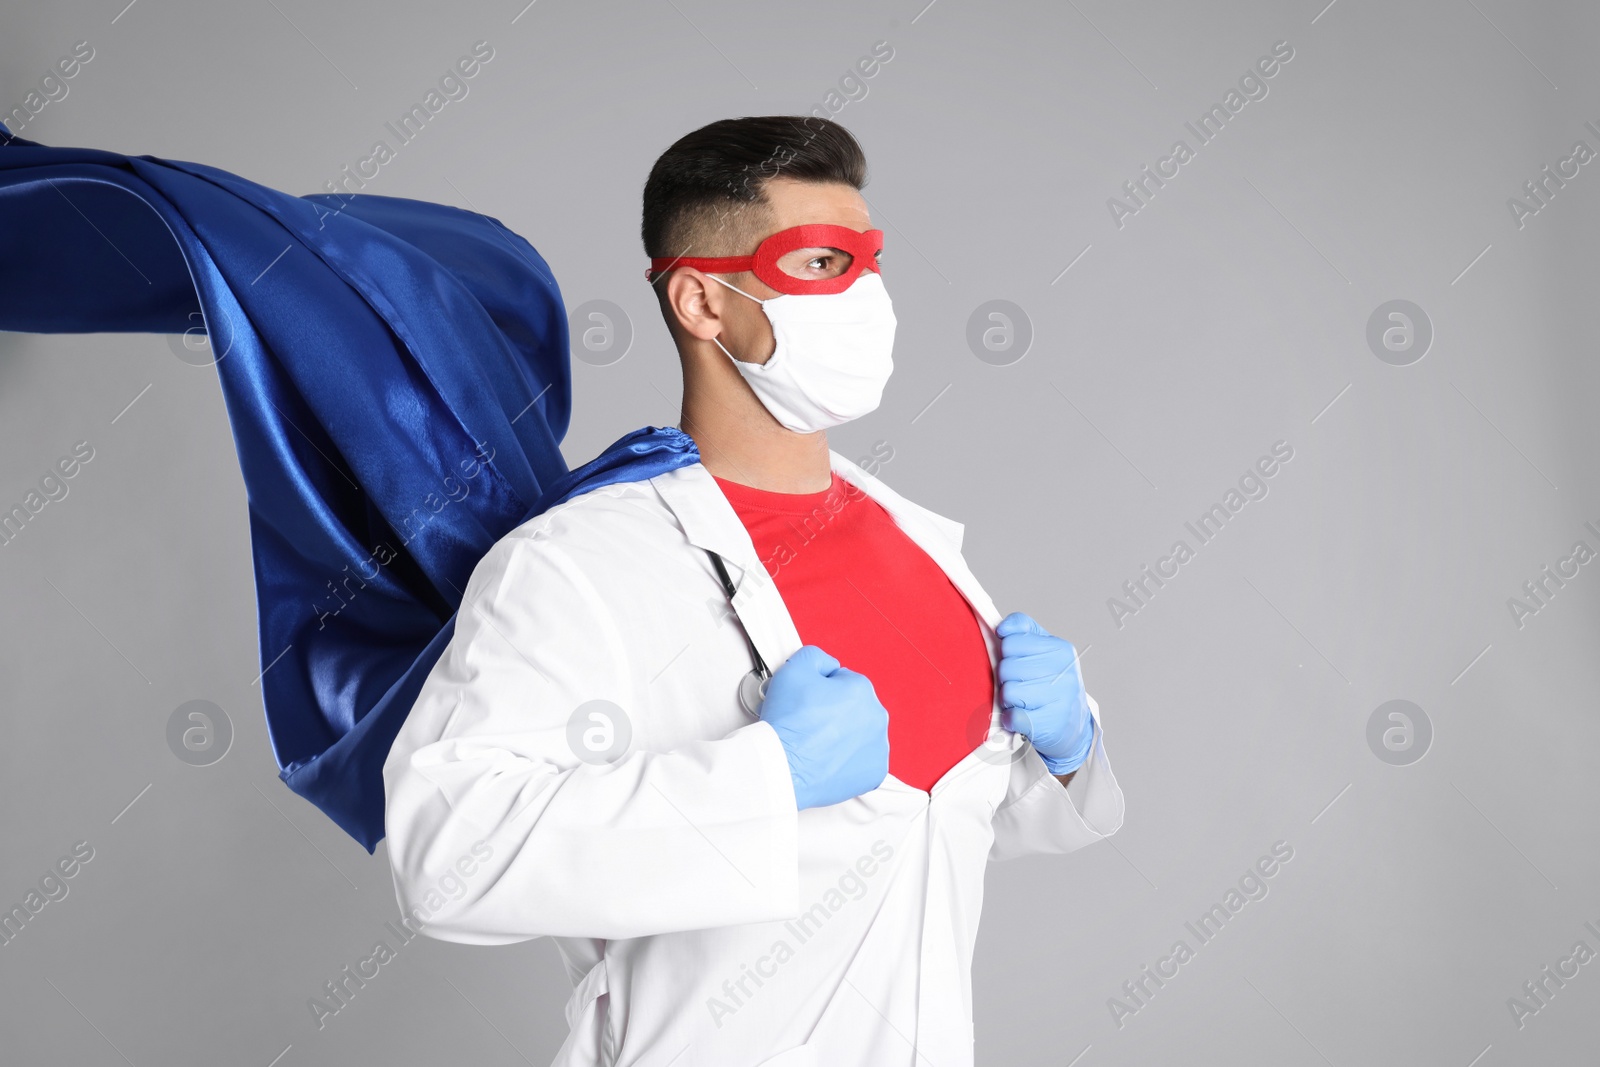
column 861, row 590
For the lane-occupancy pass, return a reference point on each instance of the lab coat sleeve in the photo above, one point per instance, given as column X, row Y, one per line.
column 1038, row 816
column 498, row 832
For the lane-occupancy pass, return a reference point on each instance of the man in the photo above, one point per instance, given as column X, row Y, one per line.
column 735, row 877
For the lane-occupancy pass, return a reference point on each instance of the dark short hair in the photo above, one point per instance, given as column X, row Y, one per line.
column 704, row 196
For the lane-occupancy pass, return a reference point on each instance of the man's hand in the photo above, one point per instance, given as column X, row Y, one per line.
column 1042, row 695
column 833, row 728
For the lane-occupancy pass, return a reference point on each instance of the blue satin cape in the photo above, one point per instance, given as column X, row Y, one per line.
column 396, row 374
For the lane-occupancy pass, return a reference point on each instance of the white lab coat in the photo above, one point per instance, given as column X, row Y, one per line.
column 703, row 920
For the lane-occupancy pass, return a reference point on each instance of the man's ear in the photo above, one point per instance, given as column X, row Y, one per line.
column 691, row 300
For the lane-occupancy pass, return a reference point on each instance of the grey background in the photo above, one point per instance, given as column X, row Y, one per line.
column 1228, row 314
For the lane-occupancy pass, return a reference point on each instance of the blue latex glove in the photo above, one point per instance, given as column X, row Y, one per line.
column 1042, row 694
column 834, row 730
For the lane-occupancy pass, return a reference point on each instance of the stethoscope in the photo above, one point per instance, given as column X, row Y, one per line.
column 753, row 686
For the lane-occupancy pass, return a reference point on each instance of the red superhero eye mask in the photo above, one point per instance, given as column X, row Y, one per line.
column 862, row 248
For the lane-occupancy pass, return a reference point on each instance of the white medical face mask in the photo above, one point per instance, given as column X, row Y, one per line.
column 832, row 357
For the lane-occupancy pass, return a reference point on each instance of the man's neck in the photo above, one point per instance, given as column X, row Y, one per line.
column 739, row 441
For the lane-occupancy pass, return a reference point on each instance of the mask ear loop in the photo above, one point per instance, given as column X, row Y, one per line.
column 735, row 288
column 741, row 292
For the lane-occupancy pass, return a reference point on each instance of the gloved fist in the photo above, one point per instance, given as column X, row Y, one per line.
column 833, row 728
column 1042, row 694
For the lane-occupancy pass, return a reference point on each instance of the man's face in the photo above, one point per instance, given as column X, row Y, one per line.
column 748, row 333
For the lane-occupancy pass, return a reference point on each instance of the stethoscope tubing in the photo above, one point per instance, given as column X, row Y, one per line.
column 753, row 686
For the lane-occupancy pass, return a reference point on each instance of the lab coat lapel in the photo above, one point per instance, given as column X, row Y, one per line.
column 710, row 523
